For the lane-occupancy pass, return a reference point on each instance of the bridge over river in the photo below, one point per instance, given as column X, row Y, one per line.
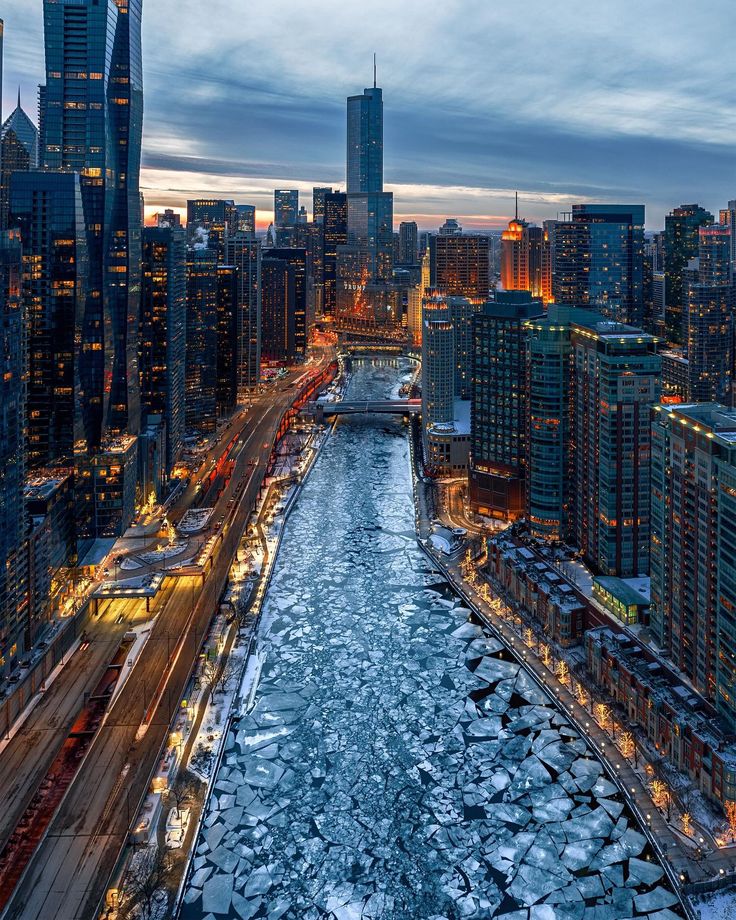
column 364, row 407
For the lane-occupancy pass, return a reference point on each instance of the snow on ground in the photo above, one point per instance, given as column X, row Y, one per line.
column 721, row 905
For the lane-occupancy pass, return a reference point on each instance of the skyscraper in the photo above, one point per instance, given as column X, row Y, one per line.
column 285, row 207
column 13, row 556
column 92, row 123
column 693, row 508
column 616, row 381
column 47, row 209
column 318, row 202
column 163, row 333
column 297, row 258
column 599, row 260
column 244, row 254
column 227, row 338
column 246, row 217
column 201, row 338
column 18, row 153
column 408, row 242
column 708, row 319
column 592, row 383
column 525, row 259
column 365, row 269
column 365, row 142
column 459, row 264
column 335, row 235
column 680, row 245
column 278, row 302
column 211, row 222
column 549, row 480
column 499, row 405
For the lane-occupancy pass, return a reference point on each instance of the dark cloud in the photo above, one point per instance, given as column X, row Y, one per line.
column 562, row 100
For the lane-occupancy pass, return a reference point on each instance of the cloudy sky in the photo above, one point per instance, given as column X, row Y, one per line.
column 564, row 100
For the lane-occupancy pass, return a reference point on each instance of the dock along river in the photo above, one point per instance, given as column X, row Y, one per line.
column 395, row 763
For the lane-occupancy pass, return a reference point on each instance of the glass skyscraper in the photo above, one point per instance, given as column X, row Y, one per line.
column 163, row 332
column 47, row 209
column 92, row 121
column 599, row 260
column 680, row 245
column 366, row 263
column 244, row 253
column 201, row 338
column 365, row 142
column 18, row 153
column 13, row 564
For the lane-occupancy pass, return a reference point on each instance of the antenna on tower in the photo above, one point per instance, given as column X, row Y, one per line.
column 374, row 70
column 516, row 217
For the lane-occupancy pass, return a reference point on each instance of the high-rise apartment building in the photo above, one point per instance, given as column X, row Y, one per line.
column 599, row 260
column 592, row 383
column 297, row 258
column 92, row 122
column 201, row 339
column 163, row 333
column 244, row 254
column 693, row 586
column 13, row 552
column 446, row 330
column 459, row 265
column 499, row 405
column 278, row 307
column 549, row 480
column 227, row 338
column 18, row 153
column 708, row 318
column 680, row 246
column 616, row 381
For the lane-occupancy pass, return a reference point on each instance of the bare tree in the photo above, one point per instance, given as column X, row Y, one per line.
column 184, row 789
column 145, row 883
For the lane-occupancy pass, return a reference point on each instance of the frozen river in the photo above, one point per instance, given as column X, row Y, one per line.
column 395, row 763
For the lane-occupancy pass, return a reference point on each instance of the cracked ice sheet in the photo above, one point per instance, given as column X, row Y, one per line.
column 393, row 765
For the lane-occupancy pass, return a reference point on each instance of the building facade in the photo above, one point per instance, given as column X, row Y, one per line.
column 13, row 545
column 681, row 228
column 499, row 404
column 599, row 260
column 244, row 254
column 459, row 265
column 163, row 335
column 201, row 339
column 18, row 153
column 693, row 543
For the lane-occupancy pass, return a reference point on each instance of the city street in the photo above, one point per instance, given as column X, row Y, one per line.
column 68, row 875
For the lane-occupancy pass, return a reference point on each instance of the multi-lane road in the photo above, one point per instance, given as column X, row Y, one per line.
column 68, row 874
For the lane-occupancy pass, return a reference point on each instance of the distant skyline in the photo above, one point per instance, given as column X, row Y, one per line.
column 565, row 102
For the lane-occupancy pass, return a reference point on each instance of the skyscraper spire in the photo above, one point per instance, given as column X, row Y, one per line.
column 19, row 95
column 374, row 70
column 516, row 212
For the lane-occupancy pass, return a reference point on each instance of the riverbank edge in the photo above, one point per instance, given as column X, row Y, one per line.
column 422, row 529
